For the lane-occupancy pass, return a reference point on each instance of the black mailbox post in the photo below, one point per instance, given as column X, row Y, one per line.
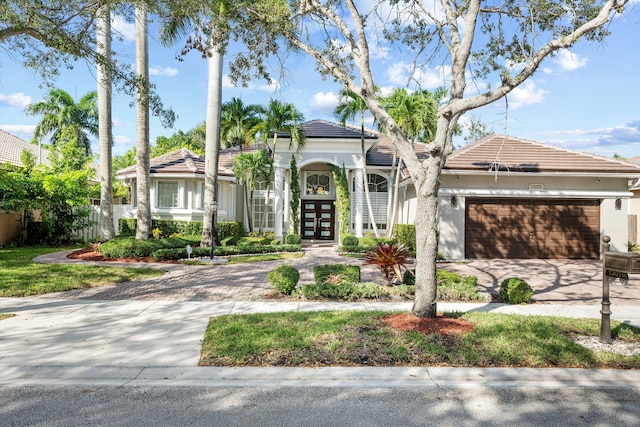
column 615, row 266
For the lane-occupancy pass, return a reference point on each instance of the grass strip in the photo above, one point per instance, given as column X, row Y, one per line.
column 355, row 338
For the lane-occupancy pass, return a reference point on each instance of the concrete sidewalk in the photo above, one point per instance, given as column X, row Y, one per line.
column 158, row 343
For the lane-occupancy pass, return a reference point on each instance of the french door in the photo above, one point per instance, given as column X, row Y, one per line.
column 318, row 219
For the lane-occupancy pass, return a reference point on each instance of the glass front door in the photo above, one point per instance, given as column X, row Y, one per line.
column 318, row 219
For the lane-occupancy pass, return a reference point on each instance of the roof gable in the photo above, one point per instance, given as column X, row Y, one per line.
column 511, row 154
column 11, row 148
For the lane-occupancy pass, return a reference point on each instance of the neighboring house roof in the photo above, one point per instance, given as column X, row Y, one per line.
column 511, row 154
column 11, row 148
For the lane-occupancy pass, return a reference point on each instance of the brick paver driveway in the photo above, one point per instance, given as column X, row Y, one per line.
column 553, row 281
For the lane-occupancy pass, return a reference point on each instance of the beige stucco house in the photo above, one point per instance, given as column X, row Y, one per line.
column 501, row 197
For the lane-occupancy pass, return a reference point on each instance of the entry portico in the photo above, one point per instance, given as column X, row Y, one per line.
column 327, row 144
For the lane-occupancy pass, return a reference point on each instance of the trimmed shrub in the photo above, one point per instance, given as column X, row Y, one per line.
column 409, row 278
column 450, row 287
column 349, row 240
column 515, row 291
column 284, row 278
column 351, row 273
column 125, row 247
column 230, row 229
column 342, row 291
column 405, row 234
column 167, row 227
column 293, row 239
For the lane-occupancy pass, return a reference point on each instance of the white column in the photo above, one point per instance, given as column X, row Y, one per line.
column 278, row 196
column 286, row 198
column 358, row 209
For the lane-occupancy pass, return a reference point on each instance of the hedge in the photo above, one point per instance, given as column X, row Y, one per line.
column 181, row 253
column 127, row 227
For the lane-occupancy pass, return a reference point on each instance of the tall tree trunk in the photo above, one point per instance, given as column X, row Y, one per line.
column 105, row 135
column 212, row 143
column 143, row 179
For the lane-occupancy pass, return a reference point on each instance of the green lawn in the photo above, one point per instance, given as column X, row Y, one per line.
column 19, row 276
column 354, row 338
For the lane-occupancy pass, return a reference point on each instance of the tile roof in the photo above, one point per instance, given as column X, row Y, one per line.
column 185, row 161
column 330, row 130
column 507, row 153
column 11, row 149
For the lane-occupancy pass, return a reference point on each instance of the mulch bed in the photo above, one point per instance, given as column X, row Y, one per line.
column 441, row 325
column 87, row 254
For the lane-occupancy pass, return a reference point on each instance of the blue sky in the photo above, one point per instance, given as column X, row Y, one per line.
column 586, row 99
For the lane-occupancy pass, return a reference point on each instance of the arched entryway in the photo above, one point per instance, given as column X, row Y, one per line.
column 317, row 213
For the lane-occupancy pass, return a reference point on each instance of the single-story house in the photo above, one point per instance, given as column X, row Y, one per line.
column 500, row 197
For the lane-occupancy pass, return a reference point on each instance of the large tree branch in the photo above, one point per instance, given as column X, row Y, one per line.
column 458, row 106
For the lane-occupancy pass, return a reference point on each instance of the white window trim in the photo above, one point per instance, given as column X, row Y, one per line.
column 180, row 183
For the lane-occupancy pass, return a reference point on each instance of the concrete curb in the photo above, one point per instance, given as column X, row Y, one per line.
column 361, row 377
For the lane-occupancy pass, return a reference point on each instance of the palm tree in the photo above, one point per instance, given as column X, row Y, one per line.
column 280, row 117
column 105, row 132
column 59, row 111
column 179, row 25
column 351, row 105
column 143, row 178
column 416, row 114
column 249, row 169
column 237, row 121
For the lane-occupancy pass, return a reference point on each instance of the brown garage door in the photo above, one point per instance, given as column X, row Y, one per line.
column 516, row 228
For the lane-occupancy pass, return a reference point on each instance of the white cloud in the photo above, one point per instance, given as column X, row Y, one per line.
column 163, row 71
column 526, row 94
column 569, row 61
column 16, row 100
column 403, row 73
column 121, row 139
column 324, row 102
column 22, row 131
column 127, row 30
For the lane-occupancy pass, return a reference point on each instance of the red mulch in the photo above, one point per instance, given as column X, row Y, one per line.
column 442, row 325
column 87, row 254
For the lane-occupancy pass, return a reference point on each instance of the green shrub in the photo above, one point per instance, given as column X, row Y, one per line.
column 351, row 273
column 349, row 240
column 125, row 247
column 405, row 291
column 127, row 226
column 167, row 227
column 230, row 241
column 409, row 278
column 405, row 234
column 450, row 286
column 342, row 291
column 230, row 229
column 254, row 249
column 284, row 278
column 293, row 239
column 515, row 291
